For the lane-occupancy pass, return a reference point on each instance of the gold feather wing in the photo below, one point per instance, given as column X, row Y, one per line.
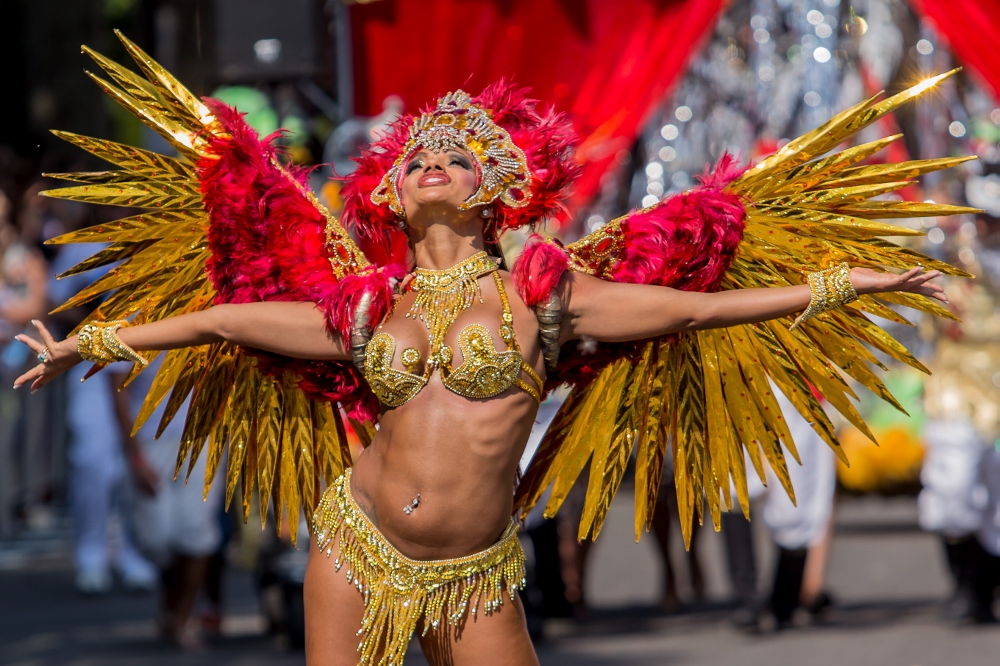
column 709, row 392
column 280, row 436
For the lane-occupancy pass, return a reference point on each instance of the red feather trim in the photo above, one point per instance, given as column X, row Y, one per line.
column 267, row 242
column 340, row 308
column 686, row 242
column 375, row 226
column 537, row 271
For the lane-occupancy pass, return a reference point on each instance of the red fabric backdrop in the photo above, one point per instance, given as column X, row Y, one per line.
column 972, row 29
column 606, row 63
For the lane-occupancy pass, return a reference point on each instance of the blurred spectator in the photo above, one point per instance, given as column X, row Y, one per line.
column 960, row 499
column 24, row 482
column 665, row 519
column 802, row 531
column 741, row 563
column 173, row 526
column 952, row 503
column 97, row 467
column 210, row 615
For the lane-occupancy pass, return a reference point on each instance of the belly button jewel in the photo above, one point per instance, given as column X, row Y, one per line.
column 408, row 509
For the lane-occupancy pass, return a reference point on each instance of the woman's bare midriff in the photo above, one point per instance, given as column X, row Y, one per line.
column 459, row 454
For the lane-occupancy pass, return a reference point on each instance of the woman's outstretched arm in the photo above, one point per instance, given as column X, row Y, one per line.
column 617, row 312
column 291, row 329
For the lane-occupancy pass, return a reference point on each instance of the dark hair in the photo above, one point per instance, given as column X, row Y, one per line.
column 491, row 243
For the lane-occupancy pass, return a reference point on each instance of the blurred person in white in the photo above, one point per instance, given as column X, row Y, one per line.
column 666, row 521
column 98, row 488
column 960, row 499
column 23, row 481
column 173, row 525
column 801, row 531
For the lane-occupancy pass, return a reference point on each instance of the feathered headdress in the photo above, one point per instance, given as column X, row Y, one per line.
column 523, row 157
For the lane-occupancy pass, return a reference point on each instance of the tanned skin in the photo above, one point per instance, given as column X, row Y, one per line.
column 460, row 455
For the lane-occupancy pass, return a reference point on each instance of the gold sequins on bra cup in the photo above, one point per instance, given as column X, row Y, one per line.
column 393, row 388
column 410, row 359
column 484, row 372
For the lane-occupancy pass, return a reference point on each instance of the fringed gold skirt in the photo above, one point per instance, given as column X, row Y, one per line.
column 399, row 591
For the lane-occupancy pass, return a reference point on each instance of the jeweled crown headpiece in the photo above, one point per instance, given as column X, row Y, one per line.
column 458, row 123
column 524, row 158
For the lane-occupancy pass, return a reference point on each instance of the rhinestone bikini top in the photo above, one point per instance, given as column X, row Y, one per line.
column 484, row 372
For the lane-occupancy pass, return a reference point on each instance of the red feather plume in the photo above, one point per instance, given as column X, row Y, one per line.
column 685, row 242
column 276, row 250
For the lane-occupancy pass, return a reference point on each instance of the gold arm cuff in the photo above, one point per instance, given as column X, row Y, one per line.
column 98, row 342
column 830, row 288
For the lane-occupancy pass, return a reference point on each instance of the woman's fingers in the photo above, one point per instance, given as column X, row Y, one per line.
column 32, row 343
column 29, row 376
column 932, row 290
column 44, row 332
column 922, row 279
column 919, row 282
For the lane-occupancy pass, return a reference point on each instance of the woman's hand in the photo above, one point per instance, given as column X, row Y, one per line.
column 59, row 357
column 915, row 280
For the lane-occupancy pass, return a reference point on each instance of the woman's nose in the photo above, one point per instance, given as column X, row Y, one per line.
column 436, row 161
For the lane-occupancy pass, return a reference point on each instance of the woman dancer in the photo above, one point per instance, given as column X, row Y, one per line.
column 417, row 533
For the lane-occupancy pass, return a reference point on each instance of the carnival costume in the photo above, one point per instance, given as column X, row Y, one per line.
column 228, row 222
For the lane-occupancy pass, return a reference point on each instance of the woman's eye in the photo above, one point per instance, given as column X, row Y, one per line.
column 413, row 166
column 458, row 161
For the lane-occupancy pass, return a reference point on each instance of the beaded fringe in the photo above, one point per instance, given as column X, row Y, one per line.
column 398, row 591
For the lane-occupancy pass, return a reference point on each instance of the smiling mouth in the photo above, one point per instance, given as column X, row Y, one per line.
column 433, row 179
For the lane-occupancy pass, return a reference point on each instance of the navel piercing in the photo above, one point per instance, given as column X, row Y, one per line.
column 408, row 509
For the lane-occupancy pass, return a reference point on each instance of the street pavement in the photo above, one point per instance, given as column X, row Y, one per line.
column 888, row 580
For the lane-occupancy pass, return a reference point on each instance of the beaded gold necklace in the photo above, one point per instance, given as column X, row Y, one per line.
column 442, row 295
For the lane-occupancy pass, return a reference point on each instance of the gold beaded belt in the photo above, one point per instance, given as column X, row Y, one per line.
column 399, row 591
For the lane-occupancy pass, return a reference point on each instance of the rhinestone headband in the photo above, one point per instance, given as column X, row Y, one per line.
column 458, row 123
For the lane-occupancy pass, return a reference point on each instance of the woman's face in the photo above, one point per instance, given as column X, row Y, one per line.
column 440, row 181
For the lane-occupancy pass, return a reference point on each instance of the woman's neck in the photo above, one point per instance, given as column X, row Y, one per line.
column 440, row 246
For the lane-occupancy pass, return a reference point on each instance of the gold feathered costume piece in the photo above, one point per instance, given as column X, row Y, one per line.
column 224, row 221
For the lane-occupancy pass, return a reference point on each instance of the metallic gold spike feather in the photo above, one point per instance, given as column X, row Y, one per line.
column 611, row 457
column 173, row 89
column 652, row 446
column 131, row 159
column 189, row 143
column 147, row 226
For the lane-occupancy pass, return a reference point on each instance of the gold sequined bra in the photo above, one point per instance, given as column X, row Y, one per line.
column 484, row 372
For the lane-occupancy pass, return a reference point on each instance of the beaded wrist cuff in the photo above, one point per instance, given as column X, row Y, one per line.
column 830, row 288
column 99, row 343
